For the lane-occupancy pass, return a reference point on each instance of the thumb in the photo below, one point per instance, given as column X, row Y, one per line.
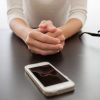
column 43, row 26
column 50, row 27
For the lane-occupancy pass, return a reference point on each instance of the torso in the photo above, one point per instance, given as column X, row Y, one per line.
column 38, row 10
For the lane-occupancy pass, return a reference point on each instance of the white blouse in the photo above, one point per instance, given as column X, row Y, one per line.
column 58, row 11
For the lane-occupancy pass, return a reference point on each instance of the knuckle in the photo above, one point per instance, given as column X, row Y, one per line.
column 62, row 38
column 29, row 47
column 43, row 53
column 32, row 51
column 43, row 21
column 30, row 34
column 27, row 40
column 49, row 21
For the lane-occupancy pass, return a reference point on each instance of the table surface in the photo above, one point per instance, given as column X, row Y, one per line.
column 79, row 62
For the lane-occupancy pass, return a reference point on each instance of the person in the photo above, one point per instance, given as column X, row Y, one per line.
column 44, row 25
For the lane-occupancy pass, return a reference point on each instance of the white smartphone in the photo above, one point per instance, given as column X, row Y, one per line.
column 49, row 79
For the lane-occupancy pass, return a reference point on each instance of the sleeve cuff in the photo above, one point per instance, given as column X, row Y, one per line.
column 79, row 17
column 13, row 14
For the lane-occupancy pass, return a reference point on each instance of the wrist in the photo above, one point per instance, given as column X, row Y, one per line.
column 25, row 33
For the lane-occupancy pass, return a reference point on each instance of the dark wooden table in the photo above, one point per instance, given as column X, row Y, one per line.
column 80, row 63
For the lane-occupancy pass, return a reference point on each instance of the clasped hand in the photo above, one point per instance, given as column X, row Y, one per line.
column 46, row 39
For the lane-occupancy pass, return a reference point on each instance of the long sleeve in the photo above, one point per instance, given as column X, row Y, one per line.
column 78, row 10
column 15, row 10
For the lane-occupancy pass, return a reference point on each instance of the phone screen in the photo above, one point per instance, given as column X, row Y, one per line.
column 47, row 75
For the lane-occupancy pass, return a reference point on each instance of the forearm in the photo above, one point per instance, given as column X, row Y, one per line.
column 71, row 27
column 20, row 28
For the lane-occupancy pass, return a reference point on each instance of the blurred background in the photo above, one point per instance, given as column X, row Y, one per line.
column 3, row 15
column 92, row 24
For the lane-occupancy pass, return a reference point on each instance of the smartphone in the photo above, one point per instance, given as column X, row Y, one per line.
column 49, row 79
